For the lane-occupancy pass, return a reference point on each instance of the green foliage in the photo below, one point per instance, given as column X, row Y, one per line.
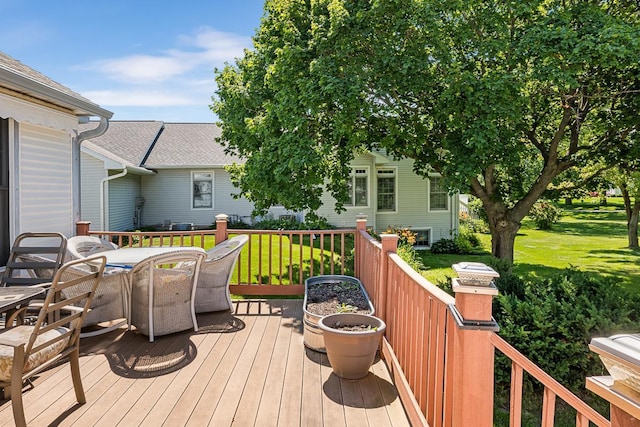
column 552, row 321
column 444, row 246
column 544, row 214
column 405, row 235
column 465, row 242
column 498, row 100
column 409, row 255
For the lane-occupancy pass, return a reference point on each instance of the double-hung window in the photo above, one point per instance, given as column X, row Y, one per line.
column 202, row 185
column 358, row 188
column 386, row 190
column 438, row 194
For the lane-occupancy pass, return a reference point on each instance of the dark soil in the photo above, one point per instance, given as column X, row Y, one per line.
column 336, row 297
column 353, row 328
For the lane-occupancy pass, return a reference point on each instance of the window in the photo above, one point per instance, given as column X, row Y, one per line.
column 438, row 195
column 386, row 190
column 357, row 188
column 423, row 238
column 202, row 190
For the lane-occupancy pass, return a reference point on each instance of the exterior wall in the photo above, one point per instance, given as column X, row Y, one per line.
column 122, row 194
column 92, row 172
column 44, row 181
column 348, row 217
column 412, row 202
column 168, row 198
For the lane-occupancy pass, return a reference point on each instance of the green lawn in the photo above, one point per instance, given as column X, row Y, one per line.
column 590, row 237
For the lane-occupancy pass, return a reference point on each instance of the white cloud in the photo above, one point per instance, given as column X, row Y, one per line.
column 206, row 48
column 139, row 98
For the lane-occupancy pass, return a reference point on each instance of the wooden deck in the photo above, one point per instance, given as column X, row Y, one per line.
column 246, row 369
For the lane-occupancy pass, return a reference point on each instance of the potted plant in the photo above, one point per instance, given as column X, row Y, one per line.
column 329, row 294
column 351, row 341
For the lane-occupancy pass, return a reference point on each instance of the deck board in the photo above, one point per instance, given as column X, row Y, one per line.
column 249, row 368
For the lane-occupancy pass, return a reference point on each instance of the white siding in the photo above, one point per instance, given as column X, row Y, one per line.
column 122, row 202
column 411, row 204
column 348, row 217
column 45, row 181
column 93, row 173
column 168, row 198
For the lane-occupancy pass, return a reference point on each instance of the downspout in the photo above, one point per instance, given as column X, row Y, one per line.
column 83, row 136
column 104, row 206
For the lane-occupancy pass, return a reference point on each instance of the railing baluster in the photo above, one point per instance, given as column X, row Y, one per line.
column 515, row 398
column 548, row 407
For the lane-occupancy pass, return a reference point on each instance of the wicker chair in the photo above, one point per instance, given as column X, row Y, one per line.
column 26, row 350
column 111, row 299
column 83, row 246
column 162, row 292
column 212, row 292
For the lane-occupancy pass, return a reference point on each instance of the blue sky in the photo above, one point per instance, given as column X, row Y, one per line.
column 140, row 59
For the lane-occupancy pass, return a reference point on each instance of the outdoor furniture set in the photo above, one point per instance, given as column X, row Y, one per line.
column 156, row 289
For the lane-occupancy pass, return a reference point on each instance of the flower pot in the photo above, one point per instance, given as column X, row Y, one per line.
column 313, row 335
column 351, row 352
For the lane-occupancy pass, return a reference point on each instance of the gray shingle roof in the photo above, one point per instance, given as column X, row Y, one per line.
column 176, row 144
column 19, row 77
column 187, row 145
column 128, row 140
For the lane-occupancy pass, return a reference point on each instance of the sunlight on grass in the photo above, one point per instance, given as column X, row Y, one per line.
column 593, row 240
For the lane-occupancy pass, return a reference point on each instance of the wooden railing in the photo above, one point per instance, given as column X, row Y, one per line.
column 276, row 262
column 425, row 349
column 443, row 370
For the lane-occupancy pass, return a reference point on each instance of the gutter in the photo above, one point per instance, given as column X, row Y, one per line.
column 80, row 106
column 103, row 192
column 75, row 149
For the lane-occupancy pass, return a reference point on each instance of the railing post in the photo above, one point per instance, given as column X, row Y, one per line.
column 389, row 245
column 221, row 228
column 624, row 410
column 82, row 228
column 473, row 356
column 361, row 225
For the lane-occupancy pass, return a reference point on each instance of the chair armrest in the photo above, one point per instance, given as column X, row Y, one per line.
column 10, row 342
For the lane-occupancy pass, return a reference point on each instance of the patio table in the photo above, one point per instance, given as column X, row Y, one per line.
column 128, row 257
column 13, row 297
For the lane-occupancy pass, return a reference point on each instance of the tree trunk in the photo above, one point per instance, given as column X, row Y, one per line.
column 503, row 237
column 568, row 201
column 632, row 226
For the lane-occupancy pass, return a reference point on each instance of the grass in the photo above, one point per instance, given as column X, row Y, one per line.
column 267, row 250
column 590, row 237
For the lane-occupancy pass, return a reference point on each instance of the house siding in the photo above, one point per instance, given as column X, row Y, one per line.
column 44, row 181
column 93, row 172
column 411, row 205
column 348, row 217
column 122, row 202
column 168, row 198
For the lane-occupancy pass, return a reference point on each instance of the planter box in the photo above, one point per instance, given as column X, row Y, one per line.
column 313, row 335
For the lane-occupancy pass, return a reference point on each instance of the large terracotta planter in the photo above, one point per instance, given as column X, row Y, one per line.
column 313, row 335
column 351, row 353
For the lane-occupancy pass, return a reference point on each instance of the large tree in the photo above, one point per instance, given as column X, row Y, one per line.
column 497, row 96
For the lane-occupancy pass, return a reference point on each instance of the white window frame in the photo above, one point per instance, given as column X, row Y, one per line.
column 193, row 193
column 448, row 198
column 427, row 229
column 359, row 172
column 391, row 172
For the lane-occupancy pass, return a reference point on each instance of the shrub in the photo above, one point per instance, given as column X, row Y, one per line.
column 444, row 246
column 552, row 322
column 408, row 255
column 544, row 214
column 406, row 236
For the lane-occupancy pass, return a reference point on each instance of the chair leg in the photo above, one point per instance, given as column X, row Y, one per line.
column 16, row 387
column 74, row 363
